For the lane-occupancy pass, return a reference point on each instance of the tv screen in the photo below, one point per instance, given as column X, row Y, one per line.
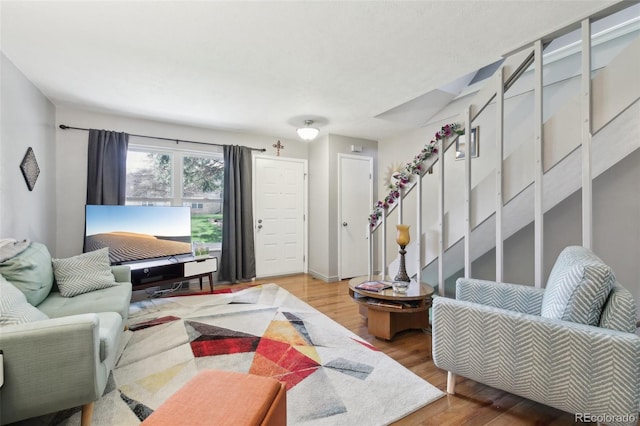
column 138, row 232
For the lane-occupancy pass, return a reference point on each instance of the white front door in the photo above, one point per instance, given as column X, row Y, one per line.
column 279, row 215
column 356, row 201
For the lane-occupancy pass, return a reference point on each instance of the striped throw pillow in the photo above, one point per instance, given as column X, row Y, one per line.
column 619, row 312
column 84, row 273
column 14, row 308
column 577, row 288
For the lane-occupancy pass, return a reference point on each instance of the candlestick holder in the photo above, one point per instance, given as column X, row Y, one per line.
column 402, row 280
column 402, row 271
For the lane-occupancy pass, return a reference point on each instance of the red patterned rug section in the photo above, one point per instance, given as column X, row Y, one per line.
column 153, row 322
column 234, row 289
column 366, row 345
column 210, row 340
column 282, row 361
column 204, row 346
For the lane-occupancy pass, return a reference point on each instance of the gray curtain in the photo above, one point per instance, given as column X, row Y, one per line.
column 238, row 262
column 107, row 167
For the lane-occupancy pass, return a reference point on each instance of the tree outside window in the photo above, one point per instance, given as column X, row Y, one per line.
column 149, row 175
column 202, row 179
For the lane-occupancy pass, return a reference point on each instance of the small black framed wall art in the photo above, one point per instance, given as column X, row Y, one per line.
column 30, row 169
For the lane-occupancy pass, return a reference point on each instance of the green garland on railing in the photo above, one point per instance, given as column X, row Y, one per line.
column 414, row 167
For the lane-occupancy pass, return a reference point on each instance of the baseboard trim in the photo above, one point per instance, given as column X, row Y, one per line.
column 324, row 278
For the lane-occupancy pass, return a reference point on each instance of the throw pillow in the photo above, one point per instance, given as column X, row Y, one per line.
column 577, row 288
column 619, row 312
column 14, row 308
column 30, row 271
column 84, row 273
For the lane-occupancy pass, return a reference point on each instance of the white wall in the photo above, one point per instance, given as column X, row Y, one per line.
column 27, row 119
column 616, row 230
column 72, row 159
column 319, row 208
column 616, row 212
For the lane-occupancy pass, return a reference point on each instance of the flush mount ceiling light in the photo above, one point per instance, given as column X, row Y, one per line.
column 308, row 133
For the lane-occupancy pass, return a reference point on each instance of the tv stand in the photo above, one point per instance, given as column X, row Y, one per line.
column 171, row 270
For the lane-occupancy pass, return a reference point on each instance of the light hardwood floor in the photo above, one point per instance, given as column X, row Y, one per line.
column 473, row 403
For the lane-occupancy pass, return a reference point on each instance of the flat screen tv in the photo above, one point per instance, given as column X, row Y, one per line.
column 135, row 233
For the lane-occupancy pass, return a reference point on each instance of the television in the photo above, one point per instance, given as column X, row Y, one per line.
column 135, row 233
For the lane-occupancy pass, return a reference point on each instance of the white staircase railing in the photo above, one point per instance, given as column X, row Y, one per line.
column 410, row 179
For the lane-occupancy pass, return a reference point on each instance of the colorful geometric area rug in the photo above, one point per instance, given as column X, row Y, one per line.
column 333, row 377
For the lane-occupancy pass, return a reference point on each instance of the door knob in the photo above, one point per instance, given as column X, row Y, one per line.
column 259, row 226
column 344, row 223
column 259, row 220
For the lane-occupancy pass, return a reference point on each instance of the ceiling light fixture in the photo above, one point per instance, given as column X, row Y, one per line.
column 308, row 133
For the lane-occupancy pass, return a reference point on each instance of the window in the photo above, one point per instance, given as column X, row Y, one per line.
column 149, row 176
column 174, row 178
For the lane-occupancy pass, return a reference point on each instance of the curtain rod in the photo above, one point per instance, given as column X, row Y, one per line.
column 65, row 127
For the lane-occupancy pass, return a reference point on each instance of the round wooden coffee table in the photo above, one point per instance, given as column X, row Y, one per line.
column 388, row 312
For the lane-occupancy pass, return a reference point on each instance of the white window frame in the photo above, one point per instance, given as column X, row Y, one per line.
column 177, row 161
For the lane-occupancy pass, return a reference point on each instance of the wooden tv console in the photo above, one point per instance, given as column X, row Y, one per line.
column 177, row 268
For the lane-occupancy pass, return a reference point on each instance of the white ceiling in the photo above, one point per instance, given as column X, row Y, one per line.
column 265, row 66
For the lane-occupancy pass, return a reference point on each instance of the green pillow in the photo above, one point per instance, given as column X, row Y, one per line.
column 30, row 272
column 14, row 308
column 84, row 273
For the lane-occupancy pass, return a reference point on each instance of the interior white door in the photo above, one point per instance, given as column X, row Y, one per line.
column 279, row 215
column 356, row 200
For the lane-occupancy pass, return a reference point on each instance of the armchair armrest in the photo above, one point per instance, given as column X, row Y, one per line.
column 50, row 365
column 573, row 367
column 122, row 273
column 513, row 297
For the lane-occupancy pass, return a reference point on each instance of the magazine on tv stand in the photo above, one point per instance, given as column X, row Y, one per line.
column 374, row 286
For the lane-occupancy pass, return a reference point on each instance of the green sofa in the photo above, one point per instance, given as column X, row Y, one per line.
column 57, row 352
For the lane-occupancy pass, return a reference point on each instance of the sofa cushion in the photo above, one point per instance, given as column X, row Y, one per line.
column 14, row 307
column 619, row 312
column 31, row 272
column 110, row 299
column 577, row 288
column 84, row 273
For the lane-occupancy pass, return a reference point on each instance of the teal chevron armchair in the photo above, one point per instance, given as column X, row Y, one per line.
column 571, row 346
